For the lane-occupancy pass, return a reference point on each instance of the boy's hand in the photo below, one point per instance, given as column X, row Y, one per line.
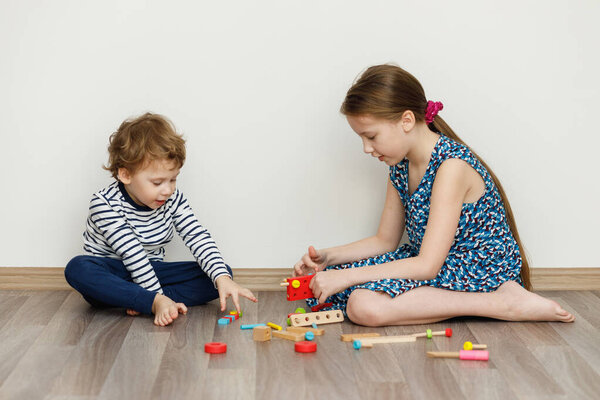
column 227, row 287
column 311, row 262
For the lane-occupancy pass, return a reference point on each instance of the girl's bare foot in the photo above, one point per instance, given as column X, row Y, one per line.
column 166, row 310
column 133, row 313
column 523, row 305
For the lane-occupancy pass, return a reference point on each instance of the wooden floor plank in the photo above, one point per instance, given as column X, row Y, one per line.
column 569, row 370
column 586, row 303
column 580, row 336
column 136, row 366
column 92, row 359
column 378, row 373
column 46, row 357
column 183, row 366
column 279, row 374
column 331, row 363
column 232, row 374
column 22, row 330
column 419, row 370
column 476, row 379
column 54, row 342
column 514, row 360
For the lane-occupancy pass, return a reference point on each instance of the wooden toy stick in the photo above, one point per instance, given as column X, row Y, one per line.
column 284, row 284
column 321, row 317
column 481, row 355
column 348, row 337
column 303, row 330
column 294, row 336
column 370, row 341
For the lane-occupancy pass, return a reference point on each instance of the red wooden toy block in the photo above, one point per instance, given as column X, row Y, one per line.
column 302, row 291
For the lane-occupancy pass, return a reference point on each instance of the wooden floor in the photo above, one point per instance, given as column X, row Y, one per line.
column 54, row 346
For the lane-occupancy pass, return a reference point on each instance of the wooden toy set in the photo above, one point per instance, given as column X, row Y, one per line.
column 304, row 337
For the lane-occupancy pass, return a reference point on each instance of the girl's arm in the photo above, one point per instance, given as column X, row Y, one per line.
column 448, row 194
column 391, row 227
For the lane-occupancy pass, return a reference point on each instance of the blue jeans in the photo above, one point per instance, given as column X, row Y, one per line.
column 105, row 282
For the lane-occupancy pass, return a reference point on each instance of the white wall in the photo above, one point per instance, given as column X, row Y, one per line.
column 255, row 87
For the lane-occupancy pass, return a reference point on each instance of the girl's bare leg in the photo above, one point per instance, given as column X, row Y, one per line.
column 511, row 302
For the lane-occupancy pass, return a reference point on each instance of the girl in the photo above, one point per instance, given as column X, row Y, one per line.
column 464, row 255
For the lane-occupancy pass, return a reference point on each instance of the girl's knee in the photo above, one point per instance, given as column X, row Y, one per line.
column 362, row 309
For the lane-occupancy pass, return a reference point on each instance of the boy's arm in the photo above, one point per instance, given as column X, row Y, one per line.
column 197, row 239
column 119, row 236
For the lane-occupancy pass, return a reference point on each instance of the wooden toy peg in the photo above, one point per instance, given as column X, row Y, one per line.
column 477, row 355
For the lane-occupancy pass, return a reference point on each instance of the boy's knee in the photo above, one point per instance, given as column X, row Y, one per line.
column 74, row 269
column 361, row 310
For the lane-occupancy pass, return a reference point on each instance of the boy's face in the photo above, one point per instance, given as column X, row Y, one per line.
column 152, row 184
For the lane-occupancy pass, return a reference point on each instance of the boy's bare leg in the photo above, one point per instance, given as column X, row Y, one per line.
column 166, row 310
column 510, row 302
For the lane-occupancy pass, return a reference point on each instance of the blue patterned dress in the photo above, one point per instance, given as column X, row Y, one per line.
column 484, row 253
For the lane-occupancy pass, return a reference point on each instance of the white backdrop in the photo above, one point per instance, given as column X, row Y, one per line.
column 255, row 87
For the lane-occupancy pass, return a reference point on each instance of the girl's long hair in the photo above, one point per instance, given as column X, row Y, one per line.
column 387, row 91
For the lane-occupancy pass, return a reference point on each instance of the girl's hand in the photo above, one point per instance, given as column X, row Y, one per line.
column 311, row 262
column 227, row 287
column 327, row 283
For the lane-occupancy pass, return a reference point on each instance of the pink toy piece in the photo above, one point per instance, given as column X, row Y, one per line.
column 480, row 355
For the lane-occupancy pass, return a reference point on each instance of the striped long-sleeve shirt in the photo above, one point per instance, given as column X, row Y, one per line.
column 119, row 228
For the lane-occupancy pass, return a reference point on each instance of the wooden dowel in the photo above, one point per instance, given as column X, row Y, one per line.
column 284, row 284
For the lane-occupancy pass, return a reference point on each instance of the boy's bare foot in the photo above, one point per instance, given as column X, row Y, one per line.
column 133, row 313
column 524, row 305
column 166, row 310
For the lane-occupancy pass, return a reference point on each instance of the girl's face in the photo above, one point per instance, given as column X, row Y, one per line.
column 151, row 185
column 386, row 140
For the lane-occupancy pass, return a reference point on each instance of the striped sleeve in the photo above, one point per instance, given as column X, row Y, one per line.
column 198, row 239
column 119, row 236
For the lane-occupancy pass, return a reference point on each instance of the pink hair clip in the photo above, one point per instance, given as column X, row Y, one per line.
column 433, row 108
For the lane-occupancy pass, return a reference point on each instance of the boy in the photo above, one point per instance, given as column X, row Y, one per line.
column 131, row 221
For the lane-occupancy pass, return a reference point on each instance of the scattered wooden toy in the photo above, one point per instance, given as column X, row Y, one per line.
column 274, row 326
column 215, row 347
column 302, row 329
column 297, row 287
column 305, row 347
column 349, row 337
column 471, row 346
column 321, row 317
column 309, row 335
column 224, row 321
column 429, row 334
column 261, row 333
column 319, row 307
column 251, row 326
column 477, row 355
column 294, row 336
column 370, row 341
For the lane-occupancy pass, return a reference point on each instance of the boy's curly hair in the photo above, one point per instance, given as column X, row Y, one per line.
column 144, row 139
